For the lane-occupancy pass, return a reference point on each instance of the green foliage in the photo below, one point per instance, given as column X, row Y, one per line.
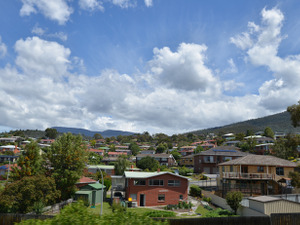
column 97, row 136
column 198, row 149
column 180, row 205
column 29, row 163
column 184, row 171
column 107, row 182
column 234, row 199
column 295, row 176
column 94, row 158
column 195, row 191
column 149, row 163
column 159, row 213
column 207, row 199
column 67, row 157
column 176, row 155
column 135, row 149
column 294, row 111
column 283, row 149
column 38, row 207
column 117, row 207
column 269, row 132
column 161, row 148
column 218, row 213
column 51, row 133
column 121, row 165
column 20, row 196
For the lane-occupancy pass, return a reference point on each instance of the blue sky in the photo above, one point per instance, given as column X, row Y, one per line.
column 167, row 66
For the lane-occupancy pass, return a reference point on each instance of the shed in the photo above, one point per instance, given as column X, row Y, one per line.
column 92, row 192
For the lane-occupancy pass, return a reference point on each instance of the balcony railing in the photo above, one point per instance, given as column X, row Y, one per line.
column 254, row 176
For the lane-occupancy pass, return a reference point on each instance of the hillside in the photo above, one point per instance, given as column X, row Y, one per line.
column 279, row 122
column 88, row 133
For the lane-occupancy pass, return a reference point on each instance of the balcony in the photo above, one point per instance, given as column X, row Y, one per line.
column 249, row 176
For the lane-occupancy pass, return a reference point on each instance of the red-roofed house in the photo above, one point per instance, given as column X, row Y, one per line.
column 116, row 154
column 97, row 151
column 85, row 181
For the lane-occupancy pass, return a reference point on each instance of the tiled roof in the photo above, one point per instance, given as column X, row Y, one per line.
column 224, row 151
column 86, row 180
column 154, row 155
column 264, row 160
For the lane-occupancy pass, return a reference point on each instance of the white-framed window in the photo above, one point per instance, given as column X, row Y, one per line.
column 156, row 182
column 174, row 183
column 161, row 197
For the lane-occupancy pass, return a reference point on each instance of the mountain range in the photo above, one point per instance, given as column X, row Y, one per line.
column 88, row 133
column 280, row 122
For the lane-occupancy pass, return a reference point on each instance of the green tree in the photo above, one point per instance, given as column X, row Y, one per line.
column 51, row 133
column 294, row 111
column 121, row 165
column 295, row 176
column 176, row 155
column 269, row 132
column 234, row 199
column 94, row 158
column 29, row 163
column 135, row 149
column 282, row 150
column 20, row 196
column 161, row 148
column 149, row 163
column 239, row 136
column 67, row 158
column 97, row 136
column 198, row 149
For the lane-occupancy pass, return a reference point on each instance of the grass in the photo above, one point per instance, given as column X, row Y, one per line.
column 201, row 210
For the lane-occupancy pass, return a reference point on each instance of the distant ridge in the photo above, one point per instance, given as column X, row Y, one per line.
column 88, row 133
column 279, row 122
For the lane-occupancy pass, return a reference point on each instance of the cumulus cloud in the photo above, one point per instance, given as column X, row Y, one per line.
column 91, row 5
column 148, row 3
column 265, row 39
column 37, row 57
column 3, row 48
column 124, row 3
column 57, row 10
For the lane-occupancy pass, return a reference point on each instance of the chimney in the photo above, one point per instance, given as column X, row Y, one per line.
column 158, row 170
column 131, row 167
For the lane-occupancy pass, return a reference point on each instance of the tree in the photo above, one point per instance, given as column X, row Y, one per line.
column 29, row 164
column 282, row 150
column 161, row 148
column 121, row 165
column 135, row 149
column 97, row 136
column 20, row 196
column 176, row 155
column 67, row 158
column 295, row 176
column 51, row 133
column 149, row 163
column 94, row 159
column 294, row 111
column 234, row 199
column 269, row 132
column 198, row 149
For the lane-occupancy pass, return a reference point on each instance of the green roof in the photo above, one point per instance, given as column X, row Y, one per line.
column 96, row 186
column 104, row 148
column 83, row 192
column 101, row 166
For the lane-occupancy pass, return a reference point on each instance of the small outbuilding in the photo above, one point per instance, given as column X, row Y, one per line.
column 91, row 192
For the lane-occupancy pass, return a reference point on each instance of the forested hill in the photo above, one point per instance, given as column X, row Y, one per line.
column 279, row 122
column 88, row 133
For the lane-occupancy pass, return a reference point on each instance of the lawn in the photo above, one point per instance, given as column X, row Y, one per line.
column 201, row 210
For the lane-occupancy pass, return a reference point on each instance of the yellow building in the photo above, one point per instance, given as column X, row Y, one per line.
column 187, row 161
column 256, row 175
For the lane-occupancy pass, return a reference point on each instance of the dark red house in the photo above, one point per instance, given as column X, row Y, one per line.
column 155, row 188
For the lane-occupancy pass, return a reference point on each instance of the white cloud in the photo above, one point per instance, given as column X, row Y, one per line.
column 38, row 57
column 283, row 90
column 57, row 10
column 124, row 3
column 184, row 69
column 3, row 48
column 91, row 5
column 148, row 3
column 43, row 33
column 242, row 41
column 38, row 30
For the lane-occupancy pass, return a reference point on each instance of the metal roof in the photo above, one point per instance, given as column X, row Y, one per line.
column 140, row 175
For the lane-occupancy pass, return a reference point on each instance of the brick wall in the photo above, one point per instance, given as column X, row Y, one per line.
column 151, row 193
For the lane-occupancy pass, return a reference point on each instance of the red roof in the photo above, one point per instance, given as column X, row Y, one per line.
column 96, row 150
column 117, row 153
column 86, row 180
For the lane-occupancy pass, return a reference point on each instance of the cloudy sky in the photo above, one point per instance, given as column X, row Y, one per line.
column 167, row 66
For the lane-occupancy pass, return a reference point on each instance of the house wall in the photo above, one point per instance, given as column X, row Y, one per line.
column 151, row 193
column 281, row 206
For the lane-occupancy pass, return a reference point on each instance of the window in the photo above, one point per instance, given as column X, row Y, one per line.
column 133, row 196
column 139, row 182
column 280, row 171
column 174, row 183
column 223, row 168
column 180, row 197
column 260, row 169
column 227, row 158
column 156, row 182
column 208, row 159
column 231, row 168
column 161, row 197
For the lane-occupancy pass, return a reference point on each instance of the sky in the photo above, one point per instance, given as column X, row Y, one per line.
column 162, row 66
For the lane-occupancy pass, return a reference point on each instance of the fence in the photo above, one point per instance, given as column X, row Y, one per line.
column 10, row 219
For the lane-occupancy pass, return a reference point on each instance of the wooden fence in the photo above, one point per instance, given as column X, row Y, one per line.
column 11, row 218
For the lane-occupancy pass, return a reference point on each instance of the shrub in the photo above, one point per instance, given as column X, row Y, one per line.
column 157, row 213
column 195, row 191
column 207, row 199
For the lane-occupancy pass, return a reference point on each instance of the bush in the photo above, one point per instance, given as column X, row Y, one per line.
column 207, row 199
column 157, row 213
column 195, row 191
